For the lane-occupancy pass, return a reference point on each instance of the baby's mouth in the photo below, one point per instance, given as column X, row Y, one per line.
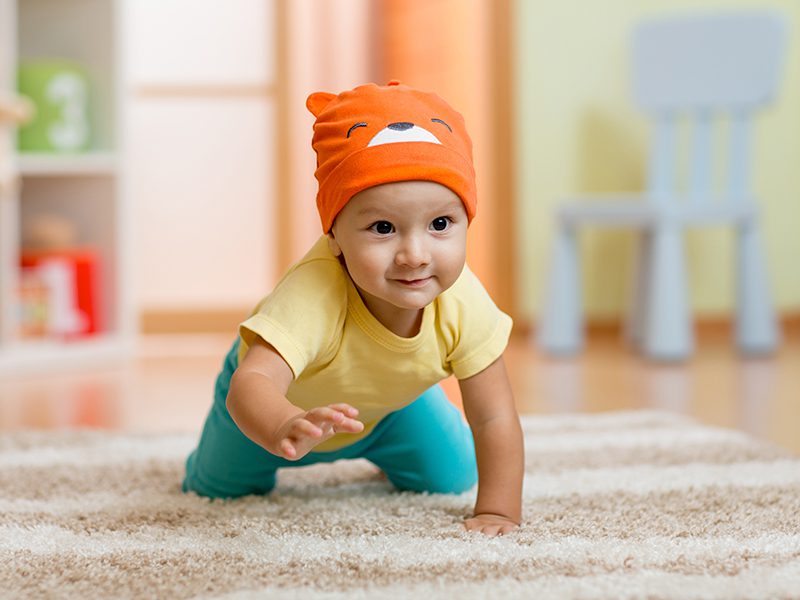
column 414, row 283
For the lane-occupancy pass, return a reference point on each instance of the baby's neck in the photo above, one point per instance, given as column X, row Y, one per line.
column 405, row 325
column 403, row 322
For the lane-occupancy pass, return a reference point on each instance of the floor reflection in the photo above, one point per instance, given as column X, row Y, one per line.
column 755, row 392
column 718, row 386
column 668, row 388
column 169, row 388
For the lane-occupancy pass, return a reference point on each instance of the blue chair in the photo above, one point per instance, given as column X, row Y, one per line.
column 700, row 68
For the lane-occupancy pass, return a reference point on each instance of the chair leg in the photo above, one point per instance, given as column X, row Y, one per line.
column 636, row 315
column 560, row 329
column 756, row 324
column 668, row 332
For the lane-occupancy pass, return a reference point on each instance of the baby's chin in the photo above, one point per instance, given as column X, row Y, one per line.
column 413, row 301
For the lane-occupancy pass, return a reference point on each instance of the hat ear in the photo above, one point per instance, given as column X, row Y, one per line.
column 318, row 101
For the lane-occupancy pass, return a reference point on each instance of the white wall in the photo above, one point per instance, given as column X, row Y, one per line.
column 327, row 50
column 201, row 151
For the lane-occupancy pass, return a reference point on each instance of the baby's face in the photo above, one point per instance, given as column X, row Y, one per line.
column 404, row 243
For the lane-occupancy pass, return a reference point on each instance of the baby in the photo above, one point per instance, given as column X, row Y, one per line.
column 343, row 359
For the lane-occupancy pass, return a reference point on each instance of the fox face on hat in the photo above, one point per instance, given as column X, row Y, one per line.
column 379, row 134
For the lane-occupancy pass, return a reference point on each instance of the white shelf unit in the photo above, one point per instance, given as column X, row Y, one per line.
column 52, row 165
column 86, row 188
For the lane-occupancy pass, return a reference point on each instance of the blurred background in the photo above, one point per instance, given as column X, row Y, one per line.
column 183, row 185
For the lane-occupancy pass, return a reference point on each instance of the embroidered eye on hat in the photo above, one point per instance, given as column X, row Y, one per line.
column 375, row 134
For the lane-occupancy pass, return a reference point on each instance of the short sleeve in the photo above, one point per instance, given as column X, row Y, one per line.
column 478, row 331
column 302, row 316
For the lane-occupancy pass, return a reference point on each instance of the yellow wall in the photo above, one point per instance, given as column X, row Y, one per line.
column 578, row 131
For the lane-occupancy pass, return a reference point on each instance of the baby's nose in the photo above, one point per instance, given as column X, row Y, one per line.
column 413, row 253
column 400, row 126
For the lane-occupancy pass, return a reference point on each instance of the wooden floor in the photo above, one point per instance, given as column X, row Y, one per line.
column 167, row 387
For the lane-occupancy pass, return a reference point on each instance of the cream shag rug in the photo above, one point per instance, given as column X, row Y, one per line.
column 625, row 505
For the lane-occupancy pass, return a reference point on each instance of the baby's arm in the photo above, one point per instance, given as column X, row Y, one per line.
column 489, row 407
column 258, row 405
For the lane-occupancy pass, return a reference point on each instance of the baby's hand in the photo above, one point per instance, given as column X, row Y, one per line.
column 490, row 524
column 302, row 433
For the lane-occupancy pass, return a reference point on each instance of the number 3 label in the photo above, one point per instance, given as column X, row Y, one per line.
column 68, row 92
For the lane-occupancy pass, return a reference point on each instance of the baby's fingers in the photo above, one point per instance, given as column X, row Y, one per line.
column 288, row 449
column 329, row 418
column 350, row 426
column 348, row 423
column 490, row 526
column 324, row 415
column 345, row 409
column 304, row 427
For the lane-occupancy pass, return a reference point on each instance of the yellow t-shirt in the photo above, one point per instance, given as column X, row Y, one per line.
column 339, row 352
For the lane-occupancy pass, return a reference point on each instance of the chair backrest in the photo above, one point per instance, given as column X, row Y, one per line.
column 715, row 61
column 698, row 67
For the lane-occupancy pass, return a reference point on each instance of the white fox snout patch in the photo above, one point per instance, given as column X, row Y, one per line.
column 402, row 132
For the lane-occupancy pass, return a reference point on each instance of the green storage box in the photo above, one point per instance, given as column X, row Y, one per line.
column 60, row 91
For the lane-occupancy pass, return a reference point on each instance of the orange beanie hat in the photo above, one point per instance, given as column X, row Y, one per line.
column 378, row 134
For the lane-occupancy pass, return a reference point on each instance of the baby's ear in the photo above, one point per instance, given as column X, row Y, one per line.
column 334, row 245
column 317, row 101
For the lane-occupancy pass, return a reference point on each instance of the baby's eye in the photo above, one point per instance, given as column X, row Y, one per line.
column 440, row 223
column 382, row 227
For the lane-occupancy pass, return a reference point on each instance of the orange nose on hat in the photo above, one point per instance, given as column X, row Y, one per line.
column 378, row 134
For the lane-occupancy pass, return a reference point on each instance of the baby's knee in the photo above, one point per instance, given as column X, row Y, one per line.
column 454, row 482
column 226, row 492
column 210, row 486
column 438, row 477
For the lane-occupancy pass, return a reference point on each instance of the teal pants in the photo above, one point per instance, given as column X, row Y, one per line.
column 424, row 447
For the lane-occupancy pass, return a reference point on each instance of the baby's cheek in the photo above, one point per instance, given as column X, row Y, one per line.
column 366, row 275
column 452, row 268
